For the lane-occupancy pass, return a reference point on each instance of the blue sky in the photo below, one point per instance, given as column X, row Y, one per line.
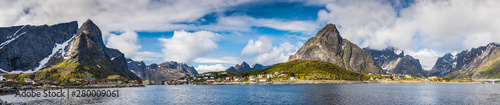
column 215, row 34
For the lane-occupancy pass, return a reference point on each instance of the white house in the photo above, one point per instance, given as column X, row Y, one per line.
column 1, row 77
column 251, row 79
column 28, row 80
column 292, row 78
column 262, row 79
column 276, row 73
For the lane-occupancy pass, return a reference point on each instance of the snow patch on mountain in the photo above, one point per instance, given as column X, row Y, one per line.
column 54, row 51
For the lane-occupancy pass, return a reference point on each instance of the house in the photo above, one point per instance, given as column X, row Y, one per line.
column 89, row 80
column 260, row 75
column 28, row 80
column 408, row 76
column 263, row 80
column 284, row 74
column 205, row 77
column 292, row 78
column 276, row 73
column 211, row 77
column 223, row 73
column 269, row 75
column 227, row 78
column 236, row 78
column 1, row 77
column 433, row 77
column 251, row 78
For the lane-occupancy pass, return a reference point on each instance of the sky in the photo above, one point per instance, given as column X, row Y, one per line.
column 212, row 35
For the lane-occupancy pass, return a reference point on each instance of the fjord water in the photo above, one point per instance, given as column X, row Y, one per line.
column 290, row 94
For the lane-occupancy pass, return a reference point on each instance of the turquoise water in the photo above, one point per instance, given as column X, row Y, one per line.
column 384, row 94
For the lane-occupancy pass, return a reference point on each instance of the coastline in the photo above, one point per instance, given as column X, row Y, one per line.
column 14, row 90
column 336, row 82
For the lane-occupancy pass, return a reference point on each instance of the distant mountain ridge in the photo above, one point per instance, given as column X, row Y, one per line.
column 244, row 67
column 394, row 63
column 329, row 46
column 481, row 62
column 163, row 71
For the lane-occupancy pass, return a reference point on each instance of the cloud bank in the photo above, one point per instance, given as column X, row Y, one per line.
column 185, row 46
column 265, row 53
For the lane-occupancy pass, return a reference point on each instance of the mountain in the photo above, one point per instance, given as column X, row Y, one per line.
column 244, row 67
column 137, row 67
column 163, row 71
column 481, row 62
column 311, row 70
column 28, row 48
column 70, row 55
column 329, row 46
column 394, row 63
column 259, row 66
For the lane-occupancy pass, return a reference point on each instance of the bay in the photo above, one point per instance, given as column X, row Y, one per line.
column 382, row 94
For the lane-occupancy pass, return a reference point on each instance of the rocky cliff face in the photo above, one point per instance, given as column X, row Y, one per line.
column 481, row 62
column 329, row 46
column 27, row 48
column 164, row 71
column 137, row 67
column 394, row 63
column 71, row 55
column 244, row 67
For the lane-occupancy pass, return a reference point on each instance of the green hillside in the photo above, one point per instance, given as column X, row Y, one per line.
column 311, row 69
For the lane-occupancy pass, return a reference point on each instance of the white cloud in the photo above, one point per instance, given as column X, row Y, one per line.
column 209, row 68
column 184, row 46
column 426, row 57
column 113, row 15
column 262, row 45
column 128, row 43
column 239, row 22
column 276, row 54
column 225, row 59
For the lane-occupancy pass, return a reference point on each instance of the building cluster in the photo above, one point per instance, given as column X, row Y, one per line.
column 214, row 77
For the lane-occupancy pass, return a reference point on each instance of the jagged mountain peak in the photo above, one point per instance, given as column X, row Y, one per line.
column 244, row 67
column 329, row 46
column 330, row 32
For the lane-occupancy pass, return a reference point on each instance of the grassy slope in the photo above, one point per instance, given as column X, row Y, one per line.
column 311, row 69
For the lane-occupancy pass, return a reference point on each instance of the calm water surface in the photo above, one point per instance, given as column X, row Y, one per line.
column 487, row 94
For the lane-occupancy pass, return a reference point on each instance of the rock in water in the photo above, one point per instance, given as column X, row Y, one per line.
column 329, row 46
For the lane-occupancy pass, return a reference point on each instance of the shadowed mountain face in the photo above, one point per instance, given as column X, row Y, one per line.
column 329, row 46
column 71, row 55
column 25, row 48
column 396, row 63
column 164, row 71
column 244, row 67
column 481, row 62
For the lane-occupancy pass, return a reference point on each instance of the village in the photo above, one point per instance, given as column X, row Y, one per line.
column 224, row 77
